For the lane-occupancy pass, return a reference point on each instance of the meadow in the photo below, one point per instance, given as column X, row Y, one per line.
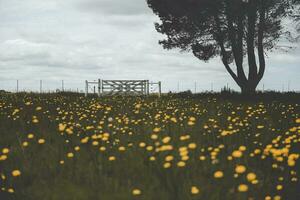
column 210, row 147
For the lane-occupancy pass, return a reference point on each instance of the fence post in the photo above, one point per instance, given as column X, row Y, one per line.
column 99, row 87
column 86, row 88
column 159, row 88
column 143, row 85
column 102, row 87
column 62, row 85
column 148, row 87
column 41, row 86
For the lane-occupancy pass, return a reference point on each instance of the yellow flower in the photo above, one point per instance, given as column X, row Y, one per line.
column 218, row 174
column 291, row 163
column 257, row 151
column 77, row 148
column 25, row 144
column 182, row 149
column 277, row 197
column 61, row 162
column 35, row 121
column 185, row 158
column 169, row 158
column 242, row 148
column 3, row 157
column 181, row 164
column 194, row 190
column 102, row 149
column 142, row 144
column 154, row 136
column 84, row 140
column 192, row 119
column 237, row 154
column 16, row 173
column 38, row 108
column 166, row 139
column 167, row 165
column 202, row 158
column 225, row 132
column 191, row 123
column 152, row 158
column 192, row 145
column 156, row 130
column 136, row 192
column 138, row 106
column 62, row 127
column 240, row 169
column 184, row 137
column 243, row 188
column 149, row 148
column 41, row 141
column 95, row 143
column 3, row 177
column 279, row 187
column 111, row 158
column 15, row 111
column 122, row 148
column 69, row 131
column 298, row 120
column 173, row 119
column 5, row 150
column 251, row 176
column 11, row 190
column 70, row 155
column 30, row 136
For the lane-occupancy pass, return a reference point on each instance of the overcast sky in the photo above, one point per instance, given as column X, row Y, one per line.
column 75, row 40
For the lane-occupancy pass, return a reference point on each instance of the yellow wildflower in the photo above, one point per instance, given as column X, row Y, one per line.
column 136, row 192
column 243, row 188
column 251, row 176
column 41, row 141
column 194, row 190
column 5, row 150
column 240, row 169
column 218, row 174
column 16, row 172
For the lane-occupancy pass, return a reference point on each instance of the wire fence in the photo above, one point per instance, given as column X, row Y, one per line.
column 174, row 86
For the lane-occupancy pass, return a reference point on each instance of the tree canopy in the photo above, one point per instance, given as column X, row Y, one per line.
column 239, row 31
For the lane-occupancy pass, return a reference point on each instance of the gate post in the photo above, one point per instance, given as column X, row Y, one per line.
column 148, row 87
column 99, row 87
column 86, row 88
column 159, row 88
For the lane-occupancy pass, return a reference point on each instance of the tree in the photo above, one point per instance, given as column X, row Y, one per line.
column 297, row 18
column 239, row 31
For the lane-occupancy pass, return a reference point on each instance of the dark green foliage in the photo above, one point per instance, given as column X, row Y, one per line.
column 238, row 31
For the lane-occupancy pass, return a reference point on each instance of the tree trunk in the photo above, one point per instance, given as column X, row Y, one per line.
column 248, row 89
column 247, row 85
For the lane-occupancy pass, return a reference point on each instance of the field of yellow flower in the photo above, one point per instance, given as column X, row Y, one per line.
column 67, row 147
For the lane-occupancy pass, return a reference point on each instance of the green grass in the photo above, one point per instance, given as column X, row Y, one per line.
column 264, row 120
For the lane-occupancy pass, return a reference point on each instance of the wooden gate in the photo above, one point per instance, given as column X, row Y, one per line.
column 121, row 87
column 125, row 87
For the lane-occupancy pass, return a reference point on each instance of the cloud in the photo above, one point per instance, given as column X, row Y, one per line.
column 116, row 7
